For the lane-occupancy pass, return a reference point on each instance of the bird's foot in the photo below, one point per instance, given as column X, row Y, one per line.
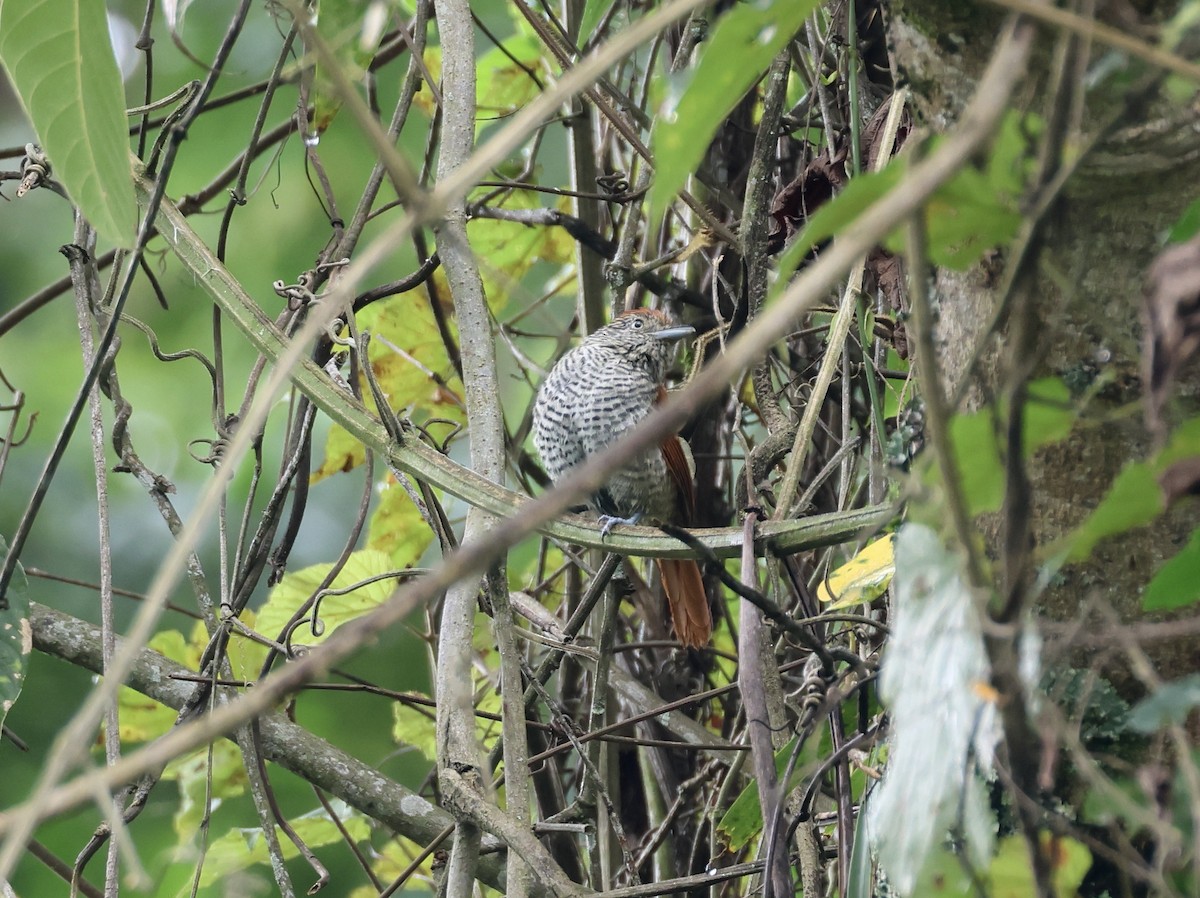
column 608, row 521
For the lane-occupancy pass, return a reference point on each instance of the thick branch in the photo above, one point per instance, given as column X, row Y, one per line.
column 292, row 747
column 458, row 745
column 419, row 460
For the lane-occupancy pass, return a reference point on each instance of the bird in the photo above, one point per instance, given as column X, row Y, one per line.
column 596, row 393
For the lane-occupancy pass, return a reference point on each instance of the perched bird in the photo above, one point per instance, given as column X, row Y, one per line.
column 598, row 391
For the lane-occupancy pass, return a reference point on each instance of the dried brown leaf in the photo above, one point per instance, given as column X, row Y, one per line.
column 804, row 195
column 1181, row 479
column 1172, row 313
column 872, row 133
column 887, row 271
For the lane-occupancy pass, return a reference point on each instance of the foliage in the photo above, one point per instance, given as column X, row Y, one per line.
column 752, row 33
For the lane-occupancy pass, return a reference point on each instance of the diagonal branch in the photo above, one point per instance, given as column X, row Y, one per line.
column 287, row 744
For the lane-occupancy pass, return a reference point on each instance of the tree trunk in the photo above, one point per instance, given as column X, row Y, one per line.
column 1091, row 254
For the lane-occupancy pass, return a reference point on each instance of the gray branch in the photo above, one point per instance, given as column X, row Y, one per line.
column 288, row 745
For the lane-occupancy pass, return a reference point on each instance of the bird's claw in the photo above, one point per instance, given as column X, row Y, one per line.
column 608, row 521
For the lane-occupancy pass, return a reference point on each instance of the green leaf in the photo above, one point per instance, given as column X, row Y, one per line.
column 1012, row 152
column 1187, row 225
column 1103, row 808
column 502, row 85
column 242, row 848
column 141, row 717
column 1177, row 582
column 861, row 883
column 1171, row 703
column 1012, row 876
column 743, row 821
column 340, row 24
column 508, row 250
column 1049, row 417
column 410, row 364
column 1135, row 498
column 969, row 214
column 743, row 43
column 415, row 728
column 16, row 637
column 60, row 60
column 225, row 776
column 593, row 12
column 337, row 607
column 966, row 217
column 397, row 528
column 982, row 481
column 944, row 875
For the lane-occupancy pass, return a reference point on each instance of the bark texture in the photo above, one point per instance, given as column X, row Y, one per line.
column 1094, row 251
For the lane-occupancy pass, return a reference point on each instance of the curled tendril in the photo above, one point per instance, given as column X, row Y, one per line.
column 35, row 169
column 813, row 688
column 297, row 295
column 334, row 332
column 329, row 266
column 294, row 651
column 615, row 183
column 216, row 451
column 443, row 446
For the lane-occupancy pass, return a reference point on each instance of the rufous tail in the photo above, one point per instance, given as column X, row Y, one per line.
column 687, row 600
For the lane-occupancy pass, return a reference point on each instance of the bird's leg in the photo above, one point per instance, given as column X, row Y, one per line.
column 608, row 521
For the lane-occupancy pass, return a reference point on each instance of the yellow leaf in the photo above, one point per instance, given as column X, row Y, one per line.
column 396, row 527
column 414, row 728
column 863, row 577
column 409, row 362
column 360, row 576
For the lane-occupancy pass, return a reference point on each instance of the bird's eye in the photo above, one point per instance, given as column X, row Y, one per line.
column 636, row 323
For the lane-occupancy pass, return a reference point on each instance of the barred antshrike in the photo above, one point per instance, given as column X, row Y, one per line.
column 597, row 392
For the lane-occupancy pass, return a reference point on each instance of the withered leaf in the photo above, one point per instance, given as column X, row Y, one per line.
column 887, row 270
column 804, row 195
column 872, row 134
column 1172, row 312
column 1181, row 479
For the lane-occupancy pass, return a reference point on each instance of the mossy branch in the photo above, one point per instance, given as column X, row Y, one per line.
column 423, row 462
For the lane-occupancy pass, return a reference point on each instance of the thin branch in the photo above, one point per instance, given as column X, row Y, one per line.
column 1105, row 34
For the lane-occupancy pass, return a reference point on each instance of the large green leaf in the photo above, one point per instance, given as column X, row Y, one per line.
column 744, row 820
column 1171, row 703
column 346, row 601
column 1177, row 582
column 60, row 60
column 16, row 639
column 239, row 849
column 743, row 44
column 340, row 24
column 1135, row 498
column 1049, row 418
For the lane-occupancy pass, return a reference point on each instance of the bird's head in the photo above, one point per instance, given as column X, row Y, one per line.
column 646, row 336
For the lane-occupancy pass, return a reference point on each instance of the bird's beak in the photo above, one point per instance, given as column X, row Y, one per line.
column 670, row 334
